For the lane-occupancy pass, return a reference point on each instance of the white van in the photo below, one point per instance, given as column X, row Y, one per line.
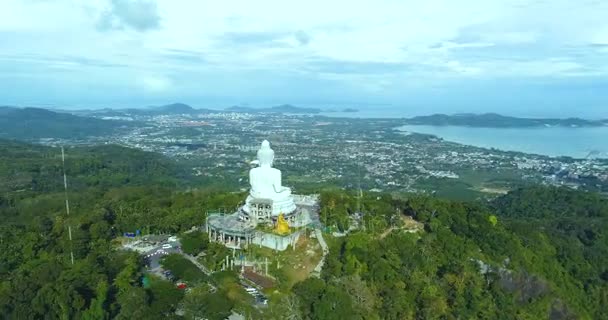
column 167, row 246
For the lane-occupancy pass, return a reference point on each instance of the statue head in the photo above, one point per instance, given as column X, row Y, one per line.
column 265, row 154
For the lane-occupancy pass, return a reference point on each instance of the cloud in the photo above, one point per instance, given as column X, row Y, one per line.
column 266, row 39
column 339, row 48
column 250, row 40
column 140, row 15
column 155, row 83
column 302, row 37
column 324, row 65
column 185, row 56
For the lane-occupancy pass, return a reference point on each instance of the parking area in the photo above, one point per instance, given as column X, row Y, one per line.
column 152, row 258
column 260, row 299
column 153, row 248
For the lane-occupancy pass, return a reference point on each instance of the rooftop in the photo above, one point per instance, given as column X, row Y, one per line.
column 231, row 224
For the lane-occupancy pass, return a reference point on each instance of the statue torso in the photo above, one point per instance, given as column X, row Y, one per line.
column 265, row 182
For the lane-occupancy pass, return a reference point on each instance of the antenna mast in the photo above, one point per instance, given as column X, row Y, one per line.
column 360, row 191
column 67, row 204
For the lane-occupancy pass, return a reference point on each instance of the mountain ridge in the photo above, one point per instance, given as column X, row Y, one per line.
column 37, row 123
column 495, row 120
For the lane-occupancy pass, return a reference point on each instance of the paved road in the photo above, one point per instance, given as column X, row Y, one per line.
column 155, row 255
column 317, row 270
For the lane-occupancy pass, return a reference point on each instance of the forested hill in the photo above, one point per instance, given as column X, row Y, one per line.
column 568, row 231
column 536, row 253
column 544, row 202
column 493, row 120
column 35, row 168
column 36, row 123
column 471, row 262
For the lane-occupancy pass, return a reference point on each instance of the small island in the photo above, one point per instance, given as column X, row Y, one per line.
column 493, row 120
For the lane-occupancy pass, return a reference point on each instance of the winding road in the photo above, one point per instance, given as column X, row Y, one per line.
column 316, row 272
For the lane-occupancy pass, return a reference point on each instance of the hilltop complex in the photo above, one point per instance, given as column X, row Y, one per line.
column 269, row 205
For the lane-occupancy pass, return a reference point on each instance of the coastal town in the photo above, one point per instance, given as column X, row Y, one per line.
column 372, row 154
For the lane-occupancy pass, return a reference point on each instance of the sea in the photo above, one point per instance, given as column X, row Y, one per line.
column 549, row 141
column 579, row 142
column 575, row 142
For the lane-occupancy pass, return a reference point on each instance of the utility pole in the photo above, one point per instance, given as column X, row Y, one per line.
column 67, row 204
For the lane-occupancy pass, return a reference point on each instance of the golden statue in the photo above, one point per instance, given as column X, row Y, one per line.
column 282, row 226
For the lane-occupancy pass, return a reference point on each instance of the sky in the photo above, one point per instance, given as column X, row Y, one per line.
column 517, row 57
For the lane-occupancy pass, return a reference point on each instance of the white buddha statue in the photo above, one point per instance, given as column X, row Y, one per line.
column 266, row 183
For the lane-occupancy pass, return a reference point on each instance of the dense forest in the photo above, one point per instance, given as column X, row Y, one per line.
column 535, row 253
column 111, row 190
column 37, row 123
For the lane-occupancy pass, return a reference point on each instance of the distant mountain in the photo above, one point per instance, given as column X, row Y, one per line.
column 285, row 108
column 493, row 120
column 175, row 108
column 6, row 110
column 36, row 123
column 350, row 110
column 243, row 109
column 169, row 109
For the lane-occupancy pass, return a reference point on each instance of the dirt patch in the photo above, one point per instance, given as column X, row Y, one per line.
column 260, row 280
column 492, row 190
column 409, row 225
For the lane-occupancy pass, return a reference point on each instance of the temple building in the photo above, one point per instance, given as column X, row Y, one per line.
column 270, row 204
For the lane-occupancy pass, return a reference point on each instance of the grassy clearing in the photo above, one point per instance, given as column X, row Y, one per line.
column 490, row 178
column 292, row 265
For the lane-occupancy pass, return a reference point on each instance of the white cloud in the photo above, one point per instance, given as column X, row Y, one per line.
column 600, row 36
column 155, row 84
column 435, row 39
column 140, row 15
